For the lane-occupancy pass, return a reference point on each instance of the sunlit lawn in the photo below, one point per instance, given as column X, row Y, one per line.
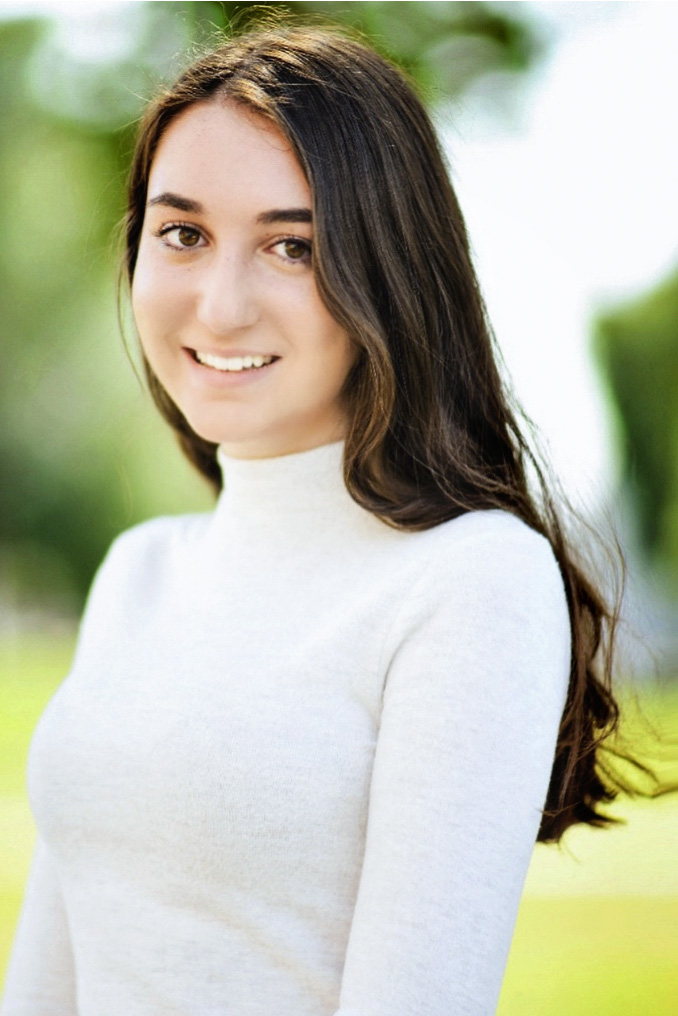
column 597, row 933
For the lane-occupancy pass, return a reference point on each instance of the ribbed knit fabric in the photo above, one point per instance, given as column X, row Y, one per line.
column 298, row 765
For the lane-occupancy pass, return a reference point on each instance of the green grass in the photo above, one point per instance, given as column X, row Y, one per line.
column 593, row 956
column 597, row 932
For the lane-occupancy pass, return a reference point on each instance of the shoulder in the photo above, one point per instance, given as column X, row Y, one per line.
column 145, row 553
column 488, row 565
column 493, row 540
column 139, row 562
column 156, row 537
column 489, row 607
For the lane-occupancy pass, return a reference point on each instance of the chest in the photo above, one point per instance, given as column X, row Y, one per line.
column 217, row 717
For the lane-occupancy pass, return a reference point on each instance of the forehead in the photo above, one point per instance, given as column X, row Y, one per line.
column 219, row 153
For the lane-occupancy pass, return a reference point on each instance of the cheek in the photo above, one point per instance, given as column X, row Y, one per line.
column 155, row 303
column 145, row 301
column 329, row 337
column 338, row 353
column 335, row 364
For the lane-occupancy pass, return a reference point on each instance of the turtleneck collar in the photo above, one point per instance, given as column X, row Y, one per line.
column 295, row 484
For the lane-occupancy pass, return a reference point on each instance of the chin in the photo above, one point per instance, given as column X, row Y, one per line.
column 238, row 443
column 217, row 431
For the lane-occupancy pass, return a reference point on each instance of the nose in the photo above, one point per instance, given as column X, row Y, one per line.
column 226, row 300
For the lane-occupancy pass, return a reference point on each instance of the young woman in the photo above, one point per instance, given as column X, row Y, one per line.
column 309, row 739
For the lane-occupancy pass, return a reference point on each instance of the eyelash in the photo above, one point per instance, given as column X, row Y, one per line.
column 171, row 227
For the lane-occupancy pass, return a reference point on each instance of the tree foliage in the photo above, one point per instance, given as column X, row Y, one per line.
column 637, row 345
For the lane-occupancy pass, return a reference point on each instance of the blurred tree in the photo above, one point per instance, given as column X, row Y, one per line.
column 82, row 453
column 637, row 346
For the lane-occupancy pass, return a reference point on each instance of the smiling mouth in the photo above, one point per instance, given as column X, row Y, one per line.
column 232, row 364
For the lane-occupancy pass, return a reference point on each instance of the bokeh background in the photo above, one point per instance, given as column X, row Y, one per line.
column 560, row 124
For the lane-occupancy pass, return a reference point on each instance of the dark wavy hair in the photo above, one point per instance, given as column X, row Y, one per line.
column 432, row 430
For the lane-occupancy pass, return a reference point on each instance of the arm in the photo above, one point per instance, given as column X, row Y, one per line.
column 40, row 979
column 471, row 710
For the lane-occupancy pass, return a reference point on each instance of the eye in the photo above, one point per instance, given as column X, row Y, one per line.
column 184, row 237
column 293, row 249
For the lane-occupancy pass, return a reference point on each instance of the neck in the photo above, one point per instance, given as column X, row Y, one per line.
column 297, row 499
column 283, row 484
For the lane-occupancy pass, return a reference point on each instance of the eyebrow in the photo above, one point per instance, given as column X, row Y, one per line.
column 268, row 218
column 176, row 201
column 285, row 215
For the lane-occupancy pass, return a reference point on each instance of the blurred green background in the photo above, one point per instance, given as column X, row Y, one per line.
column 83, row 454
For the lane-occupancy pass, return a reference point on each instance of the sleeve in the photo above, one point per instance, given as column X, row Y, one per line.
column 40, row 979
column 471, row 710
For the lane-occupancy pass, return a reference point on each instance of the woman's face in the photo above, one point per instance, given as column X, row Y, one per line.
column 224, row 295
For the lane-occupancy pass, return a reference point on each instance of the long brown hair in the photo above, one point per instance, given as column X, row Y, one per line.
column 432, row 430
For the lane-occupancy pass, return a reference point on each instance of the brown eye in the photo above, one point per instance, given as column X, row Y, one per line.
column 179, row 237
column 187, row 237
column 296, row 249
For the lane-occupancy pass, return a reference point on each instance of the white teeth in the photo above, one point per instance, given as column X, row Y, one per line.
column 234, row 363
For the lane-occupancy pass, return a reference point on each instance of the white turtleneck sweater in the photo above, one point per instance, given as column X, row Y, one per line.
column 298, row 765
